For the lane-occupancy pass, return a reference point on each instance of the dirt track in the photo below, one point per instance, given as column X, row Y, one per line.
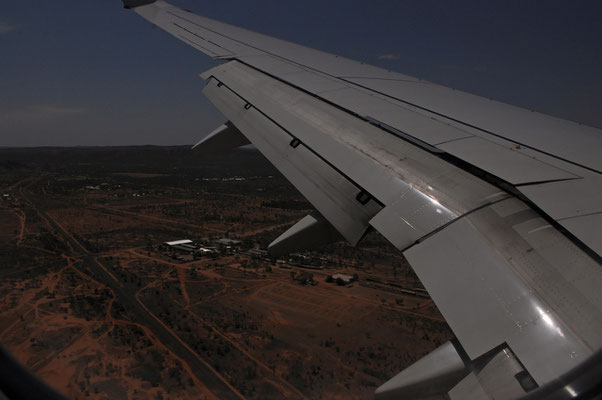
column 201, row 369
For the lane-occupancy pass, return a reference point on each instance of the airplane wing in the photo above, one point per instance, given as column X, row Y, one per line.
column 498, row 209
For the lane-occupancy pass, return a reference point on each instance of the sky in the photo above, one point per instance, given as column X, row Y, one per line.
column 89, row 73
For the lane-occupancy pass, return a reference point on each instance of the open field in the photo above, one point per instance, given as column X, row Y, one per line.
column 92, row 302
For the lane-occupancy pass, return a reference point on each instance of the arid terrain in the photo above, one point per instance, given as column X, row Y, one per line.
column 94, row 302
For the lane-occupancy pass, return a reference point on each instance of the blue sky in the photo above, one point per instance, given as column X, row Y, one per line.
column 90, row 73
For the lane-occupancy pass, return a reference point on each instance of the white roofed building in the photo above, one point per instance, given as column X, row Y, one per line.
column 179, row 242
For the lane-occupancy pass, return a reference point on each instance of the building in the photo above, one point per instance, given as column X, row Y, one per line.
column 258, row 253
column 206, row 250
column 184, row 245
column 345, row 278
column 178, row 242
column 227, row 244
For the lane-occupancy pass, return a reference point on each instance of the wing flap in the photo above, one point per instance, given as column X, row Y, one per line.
column 225, row 137
column 330, row 192
column 311, row 232
column 496, row 274
column 409, row 182
column 414, row 215
column 496, row 379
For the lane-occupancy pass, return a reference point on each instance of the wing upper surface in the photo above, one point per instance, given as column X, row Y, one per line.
column 478, row 194
column 513, row 145
column 566, row 140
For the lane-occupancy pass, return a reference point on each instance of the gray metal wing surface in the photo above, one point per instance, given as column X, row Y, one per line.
column 498, row 209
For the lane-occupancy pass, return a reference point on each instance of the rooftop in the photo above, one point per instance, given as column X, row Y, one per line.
column 345, row 278
column 177, row 242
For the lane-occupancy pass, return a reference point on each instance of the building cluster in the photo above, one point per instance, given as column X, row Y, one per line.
column 300, row 264
column 187, row 250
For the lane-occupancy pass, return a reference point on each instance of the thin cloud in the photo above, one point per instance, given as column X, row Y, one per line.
column 391, row 56
column 483, row 69
column 39, row 112
column 6, row 27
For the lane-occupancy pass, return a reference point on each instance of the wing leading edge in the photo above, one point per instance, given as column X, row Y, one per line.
column 465, row 195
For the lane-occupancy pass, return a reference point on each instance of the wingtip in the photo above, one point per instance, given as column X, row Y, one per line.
column 129, row 4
